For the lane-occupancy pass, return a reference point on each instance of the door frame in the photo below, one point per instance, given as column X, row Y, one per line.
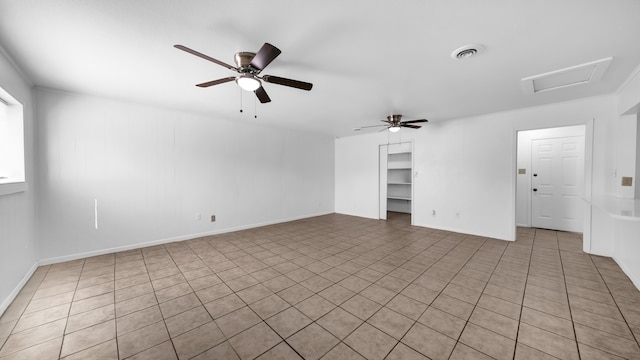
column 382, row 182
column 588, row 178
column 382, row 185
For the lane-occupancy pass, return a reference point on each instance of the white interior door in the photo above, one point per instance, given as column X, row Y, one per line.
column 382, row 182
column 557, row 170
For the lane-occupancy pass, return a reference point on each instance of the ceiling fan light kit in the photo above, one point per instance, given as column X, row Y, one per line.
column 248, row 82
column 394, row 129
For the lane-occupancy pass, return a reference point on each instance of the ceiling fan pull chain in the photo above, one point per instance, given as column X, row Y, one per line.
column 255, row 108
column 240, row 100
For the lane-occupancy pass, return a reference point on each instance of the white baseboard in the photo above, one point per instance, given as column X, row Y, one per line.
column 460, row 231
column 5, row 304
column 597, row 253
column 633, row 277
column 70, row 257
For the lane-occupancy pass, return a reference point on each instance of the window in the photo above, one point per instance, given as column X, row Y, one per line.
column 12, row 177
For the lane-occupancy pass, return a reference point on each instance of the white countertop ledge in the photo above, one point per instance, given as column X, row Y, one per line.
column 618, row 208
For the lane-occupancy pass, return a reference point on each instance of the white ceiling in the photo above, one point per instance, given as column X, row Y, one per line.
column 366, row 58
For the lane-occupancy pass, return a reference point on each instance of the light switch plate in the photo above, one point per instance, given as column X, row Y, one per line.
column 627, row 181
column 213, row 218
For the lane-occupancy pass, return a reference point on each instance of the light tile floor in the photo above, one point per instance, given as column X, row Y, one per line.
column 331, row 287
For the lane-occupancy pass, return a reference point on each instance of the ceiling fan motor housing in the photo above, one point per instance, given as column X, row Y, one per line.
column 394, row 119
column 243, row 60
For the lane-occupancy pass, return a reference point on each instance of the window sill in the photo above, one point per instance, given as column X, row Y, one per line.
column 12, row 188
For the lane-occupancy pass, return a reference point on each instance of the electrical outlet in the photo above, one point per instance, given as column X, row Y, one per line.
column 627, row 181
column 213, row 218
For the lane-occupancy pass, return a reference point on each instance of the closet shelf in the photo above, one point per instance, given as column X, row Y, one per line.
column 399, row 178
column 399, row 197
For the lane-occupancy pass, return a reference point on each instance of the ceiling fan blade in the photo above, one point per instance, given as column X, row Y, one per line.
column 193, row 52
column 216, row 82
column 414, row 121
column 287, row 82
column 265, row 56
column 411, row 126
column 370, row 126
column 262, row 95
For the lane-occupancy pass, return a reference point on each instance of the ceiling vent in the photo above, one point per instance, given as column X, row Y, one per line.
column 574, row 75
column 467, row 51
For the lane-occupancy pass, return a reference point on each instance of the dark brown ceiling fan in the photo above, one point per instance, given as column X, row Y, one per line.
column 394, row 123
column 249, row 66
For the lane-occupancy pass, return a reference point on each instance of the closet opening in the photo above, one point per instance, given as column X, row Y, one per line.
column 396, row 182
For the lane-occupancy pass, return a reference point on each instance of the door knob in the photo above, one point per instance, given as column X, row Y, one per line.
column 534, row 189
column 535, row 174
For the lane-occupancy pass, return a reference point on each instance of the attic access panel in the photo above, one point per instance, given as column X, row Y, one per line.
column 570, row 76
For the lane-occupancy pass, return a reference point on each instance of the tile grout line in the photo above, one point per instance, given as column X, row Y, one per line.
column 566, row 289
column 567, row 292
column 615, row 302
column 23, row 312
column 233, row 293
column 396, row 294
column 144, row 261
column 246, row 304
column 317, row 293
column 69, row 314
column 357, row 293
column 264, row 320
column 422, row 273
column 64, row 331
column 524, row 290
column 439, row 293
column 467, row 321
column 361, row 253
column 115, row 316
column 194, row 292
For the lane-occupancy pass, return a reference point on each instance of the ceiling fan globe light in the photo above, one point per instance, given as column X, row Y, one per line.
column 248, row 82
column 394, row 129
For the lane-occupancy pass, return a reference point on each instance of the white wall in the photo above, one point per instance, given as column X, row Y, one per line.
column 627, row 248
column 618, row 218
column 629, row 94
column 152, row 170
column 626, row 155
column 468, row 166
column 523, row 181
column 18, row 245
column 356, row 171
column 637, row 156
